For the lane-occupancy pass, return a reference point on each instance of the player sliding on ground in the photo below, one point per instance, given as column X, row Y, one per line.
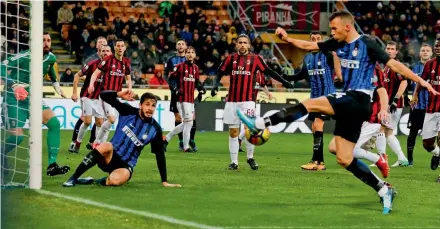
column 186, row 76
column 358, row 55
column 136, row 129
column 15, row 72
column 242, row 68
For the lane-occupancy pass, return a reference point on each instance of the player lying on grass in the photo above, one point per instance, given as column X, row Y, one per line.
column 136, row 129
column 358, row 55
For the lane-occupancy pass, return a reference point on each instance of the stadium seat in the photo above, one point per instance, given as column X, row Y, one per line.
column 225, row 81
column 129, row 11
column 159, row 67
column 148, row 76
column 211, row 13
column 124, row 4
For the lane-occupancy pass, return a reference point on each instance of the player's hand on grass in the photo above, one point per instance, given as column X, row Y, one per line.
column 281, row 33
column 166, row 184
column 20, row 92
column 74, row 97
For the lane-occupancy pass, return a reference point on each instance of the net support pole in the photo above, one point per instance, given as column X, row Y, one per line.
column 36, row 85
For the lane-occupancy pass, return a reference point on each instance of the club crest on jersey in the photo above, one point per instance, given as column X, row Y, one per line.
column 144, row 137
column 386, row 80
column 234, row 62
column 113, row 66
column 103, row 63
column 355, row 52
column 248, row 62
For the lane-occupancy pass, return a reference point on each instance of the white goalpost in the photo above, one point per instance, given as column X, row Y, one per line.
column 36, row 82
column 21, row 163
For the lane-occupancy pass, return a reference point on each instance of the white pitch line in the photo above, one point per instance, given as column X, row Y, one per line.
column 127, row 210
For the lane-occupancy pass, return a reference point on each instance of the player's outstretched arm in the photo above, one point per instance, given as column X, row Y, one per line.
column 128, row 82
column 157, row 148
column 111, row 97
column 277, row 77
column 305, row 45
column 407, row 73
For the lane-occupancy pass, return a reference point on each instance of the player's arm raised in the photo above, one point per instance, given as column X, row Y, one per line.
column 264, row 68
column 305, row 45
column 111, row 97
column 157, row 148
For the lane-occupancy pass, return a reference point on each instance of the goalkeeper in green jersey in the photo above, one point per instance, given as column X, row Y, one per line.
column 15, row 74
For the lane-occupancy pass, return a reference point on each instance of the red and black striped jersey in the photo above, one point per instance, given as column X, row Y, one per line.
column 431, row 73
column 392, row 84
column 378, row 82
column 187, row 76
column 242, row 71
column 261, row 82
column 114, row 72
column 88, row 70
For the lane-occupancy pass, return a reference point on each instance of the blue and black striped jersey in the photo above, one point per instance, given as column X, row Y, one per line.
column 319, row 68
column 133, row 133
column 423, row 93
column 169, row 66
column 358, row 59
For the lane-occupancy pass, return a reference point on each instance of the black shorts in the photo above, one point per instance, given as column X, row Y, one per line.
column 115, row 163
column 173, row 103
column 314, row 115
column 351, row 111
column 416, row 119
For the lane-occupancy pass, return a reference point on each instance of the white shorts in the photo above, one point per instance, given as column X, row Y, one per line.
column 92, row 107
column 230, row 113
column 368, row 131
column 186, row 110
column 395, row 118
column 107, row 108
column 431, row 125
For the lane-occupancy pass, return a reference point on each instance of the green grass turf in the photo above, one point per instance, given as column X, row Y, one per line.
column 277, row 195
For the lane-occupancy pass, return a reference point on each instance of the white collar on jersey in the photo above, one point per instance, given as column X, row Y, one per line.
column 355, row 39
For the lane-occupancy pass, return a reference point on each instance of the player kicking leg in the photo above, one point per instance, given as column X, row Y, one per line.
column 356, row 100
column 136, row 129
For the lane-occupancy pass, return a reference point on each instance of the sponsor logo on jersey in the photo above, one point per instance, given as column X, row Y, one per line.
column 353, row 64
column 132, row 136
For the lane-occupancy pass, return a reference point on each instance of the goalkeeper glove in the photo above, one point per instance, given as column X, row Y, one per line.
column 20, row 92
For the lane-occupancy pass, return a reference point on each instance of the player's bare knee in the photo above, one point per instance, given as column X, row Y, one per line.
column 105, row 148
column 98, row 122
column 118, row 177
column 233, row 132
column 177, row 117
column 388, row 132
column 87, row 121
column 318, row 124
column 47, row 115
column 111, row 119
column 344, row 160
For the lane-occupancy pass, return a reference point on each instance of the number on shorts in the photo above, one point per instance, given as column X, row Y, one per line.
column 250, row 112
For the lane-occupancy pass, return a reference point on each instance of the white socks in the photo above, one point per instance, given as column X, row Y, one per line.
column 186, row 133
column 249, row 149
column 103, row 133
column 395, row 146
column 233, row 149
column 177, row 130
column 363, row 154
column 381, row 143
column 436, row 151
column 98, row 128
column 82, row 131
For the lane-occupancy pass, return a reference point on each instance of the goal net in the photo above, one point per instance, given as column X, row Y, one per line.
column 21, row 66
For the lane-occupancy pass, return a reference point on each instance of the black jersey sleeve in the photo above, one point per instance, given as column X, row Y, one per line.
column 374, row 51
column 330, row 45
column 157, row 148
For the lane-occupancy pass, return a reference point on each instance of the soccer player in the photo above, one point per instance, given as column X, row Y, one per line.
column 242, row 67
column 99, row 42
column 431, row 125
column 113, row 70
column 186, row 74
column 135, row 130
column 318, row 68
column 395, row 86
column 15, row 72
column 418, row 104
column 90, row 104
column 358, row 55
column 372, row 127
column 169, row 66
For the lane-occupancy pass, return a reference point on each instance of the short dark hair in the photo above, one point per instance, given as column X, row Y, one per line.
column 189, row 48
column 46, row 33
column 426, row 45
column 393, row 43
column 244, row 35
column 148, row 95
column 180, row 39
column 315, row 33
column 343, row 14
column 119, row 40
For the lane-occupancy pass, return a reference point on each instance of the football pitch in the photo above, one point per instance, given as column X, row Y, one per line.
column 278, row 195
